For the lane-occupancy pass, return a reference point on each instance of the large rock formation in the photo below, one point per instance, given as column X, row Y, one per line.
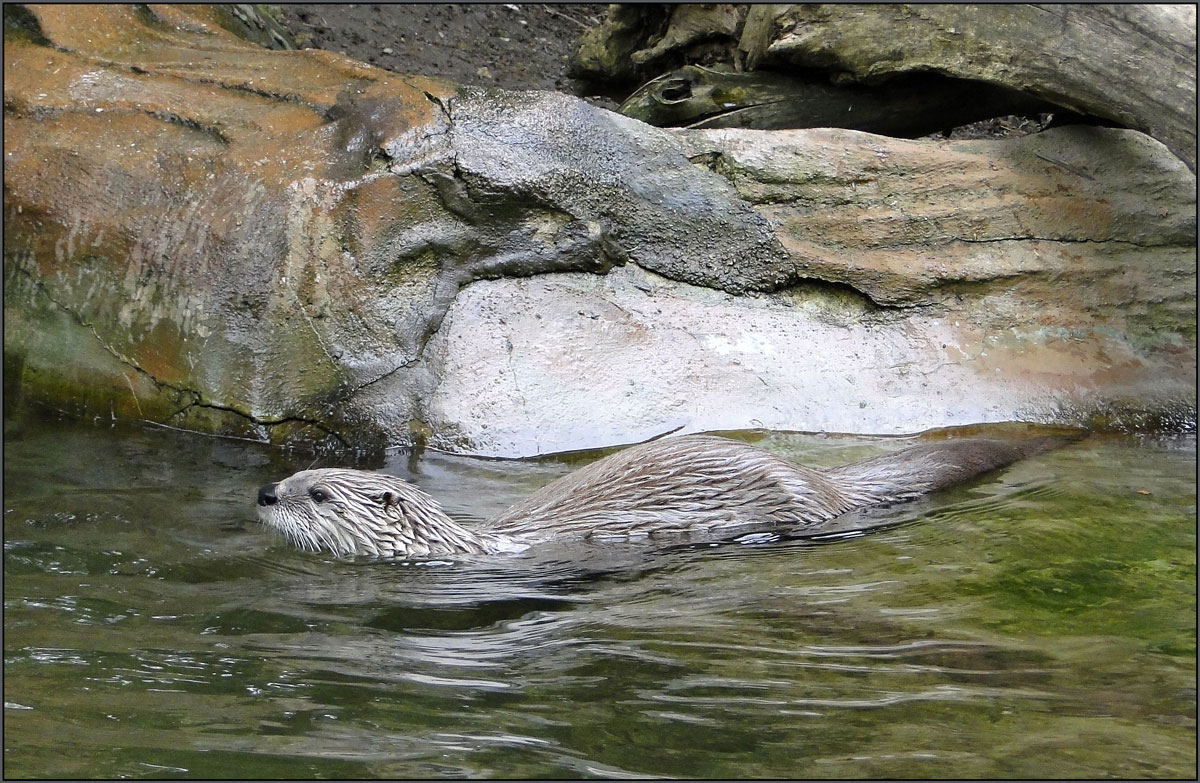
column 1049, row 278
column 295, row 246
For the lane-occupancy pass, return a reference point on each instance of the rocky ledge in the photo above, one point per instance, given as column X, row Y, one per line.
column 297, row 247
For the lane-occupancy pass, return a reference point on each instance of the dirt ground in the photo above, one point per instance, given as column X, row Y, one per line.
column 514, row 46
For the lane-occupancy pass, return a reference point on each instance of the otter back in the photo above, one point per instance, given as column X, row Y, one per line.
column 702, row 484
column 932, row 466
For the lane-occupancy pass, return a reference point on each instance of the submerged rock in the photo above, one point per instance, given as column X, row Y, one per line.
column 290, row 245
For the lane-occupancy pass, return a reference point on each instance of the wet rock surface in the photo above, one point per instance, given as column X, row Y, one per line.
column 296, row 246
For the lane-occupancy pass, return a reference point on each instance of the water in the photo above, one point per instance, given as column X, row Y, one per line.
column 1038, row 623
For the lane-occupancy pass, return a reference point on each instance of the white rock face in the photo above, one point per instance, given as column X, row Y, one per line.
column 559, row 362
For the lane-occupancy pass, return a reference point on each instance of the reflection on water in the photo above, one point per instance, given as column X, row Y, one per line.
column 1037, row 623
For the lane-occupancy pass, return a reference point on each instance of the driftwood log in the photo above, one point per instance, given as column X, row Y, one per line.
column 910, row 106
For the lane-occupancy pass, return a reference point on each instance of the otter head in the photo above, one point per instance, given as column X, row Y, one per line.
column 353, row 512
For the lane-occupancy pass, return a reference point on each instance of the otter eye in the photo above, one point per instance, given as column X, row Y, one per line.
column 318, row 495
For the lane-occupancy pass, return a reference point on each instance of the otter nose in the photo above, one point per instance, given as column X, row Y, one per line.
column 266, row 495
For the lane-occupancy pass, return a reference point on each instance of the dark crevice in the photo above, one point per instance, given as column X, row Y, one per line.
column 189, row 123
column 164, row 72
column 252, row 419
column 20, row 21
column 444, row 106
column 281, row 97
column 442, row 304
column 1062, row 240
column 841, row 289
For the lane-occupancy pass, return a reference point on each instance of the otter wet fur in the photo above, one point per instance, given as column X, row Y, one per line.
column 694, row 484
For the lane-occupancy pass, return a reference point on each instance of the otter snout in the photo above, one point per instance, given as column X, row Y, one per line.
column 267, row 496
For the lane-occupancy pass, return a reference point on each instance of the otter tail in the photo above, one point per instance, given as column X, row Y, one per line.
column 928, row 467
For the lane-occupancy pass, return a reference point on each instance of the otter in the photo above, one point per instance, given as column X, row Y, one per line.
column 693, row 484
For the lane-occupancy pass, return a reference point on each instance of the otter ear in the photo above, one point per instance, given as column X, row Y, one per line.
column 386, row 498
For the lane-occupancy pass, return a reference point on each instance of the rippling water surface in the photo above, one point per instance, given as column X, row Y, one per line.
column 1040, row 622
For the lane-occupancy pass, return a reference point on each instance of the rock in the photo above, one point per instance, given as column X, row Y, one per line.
column 606, row 52
column 249, row 21
column 166, row 188
column 218, row 257
column 298, row 247
column 935, row 284
column 901, row 221
column 1134, row 65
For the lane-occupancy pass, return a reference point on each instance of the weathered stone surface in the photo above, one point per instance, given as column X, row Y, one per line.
column 637, row 41
column 554, row 362
column 903, row 221
column 1132, row 64
column 167, row 188
column 252, row 22
column 619, row 48
column 254, row 236
column 1047, row 278
column 295, row 246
